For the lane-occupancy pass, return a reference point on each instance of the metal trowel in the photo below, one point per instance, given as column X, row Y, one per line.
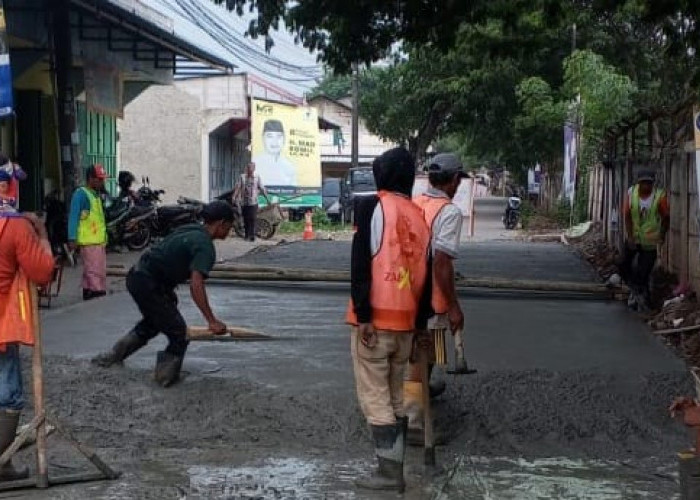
column 461, row 367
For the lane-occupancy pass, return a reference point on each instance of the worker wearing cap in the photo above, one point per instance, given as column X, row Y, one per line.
column 187, row 253
column 272, row 164
column 87, row 231
column 647, row 219
column 390, row 302
column 444, row 218
column 16, row 174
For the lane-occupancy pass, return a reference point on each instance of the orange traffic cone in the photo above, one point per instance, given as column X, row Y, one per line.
column 308, row 227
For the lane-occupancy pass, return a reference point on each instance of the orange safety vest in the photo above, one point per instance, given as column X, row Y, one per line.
column 432, row 206
column 17, row 314
column 399, row 269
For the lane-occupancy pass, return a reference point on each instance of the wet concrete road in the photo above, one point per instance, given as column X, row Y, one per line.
column 569, row 402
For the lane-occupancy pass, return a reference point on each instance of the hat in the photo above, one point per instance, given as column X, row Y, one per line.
column 646, row 176
column 273, row 126
column 446, row 163
column 4, row 176
column 97, row 171
column 217, row 210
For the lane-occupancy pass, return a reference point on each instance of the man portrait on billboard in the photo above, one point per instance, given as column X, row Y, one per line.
column 273, row 167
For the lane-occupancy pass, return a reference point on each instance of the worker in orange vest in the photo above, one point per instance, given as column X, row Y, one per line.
column 445, row 173
column 390, row 289
column 25, row 259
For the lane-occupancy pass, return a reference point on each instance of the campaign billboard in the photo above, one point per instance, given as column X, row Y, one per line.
column 285, row 148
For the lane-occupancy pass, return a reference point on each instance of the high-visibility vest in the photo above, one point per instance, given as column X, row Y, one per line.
column 17, row 312
column 647, row 229
column 92, row 229
column 431, row 207
column 399, row 269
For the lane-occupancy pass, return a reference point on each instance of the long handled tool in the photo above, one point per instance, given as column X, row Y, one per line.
column 429, row 436
column 461, row 367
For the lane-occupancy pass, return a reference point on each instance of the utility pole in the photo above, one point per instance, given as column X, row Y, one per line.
column 65, row 97
column 355, row 116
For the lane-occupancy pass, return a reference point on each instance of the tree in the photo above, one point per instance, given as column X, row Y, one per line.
column 333, row 86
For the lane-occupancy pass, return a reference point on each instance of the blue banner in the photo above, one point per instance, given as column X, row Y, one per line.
column 6, row 103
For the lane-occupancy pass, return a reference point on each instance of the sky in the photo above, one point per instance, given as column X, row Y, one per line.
column 222, row 33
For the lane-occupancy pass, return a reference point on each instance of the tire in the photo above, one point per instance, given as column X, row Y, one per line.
column 140, row 238
column 265, row 230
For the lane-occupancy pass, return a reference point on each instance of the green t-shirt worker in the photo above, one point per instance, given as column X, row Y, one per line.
column 186, row 254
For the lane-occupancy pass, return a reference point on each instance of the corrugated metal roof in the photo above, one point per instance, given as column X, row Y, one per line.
column 222, row 33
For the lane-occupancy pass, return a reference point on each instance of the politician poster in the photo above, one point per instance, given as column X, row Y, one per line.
column 6, row 103
column 286, row 152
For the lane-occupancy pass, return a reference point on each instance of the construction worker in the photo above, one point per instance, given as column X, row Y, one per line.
column 647, row 220
column 390, row 301
column 188, row 253
column 87, row 230
column 444, row 218
column 25, row 258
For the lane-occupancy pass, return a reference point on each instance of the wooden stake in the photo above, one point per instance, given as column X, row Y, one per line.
column 42, row 474
column 429, row 437
column 671, row 331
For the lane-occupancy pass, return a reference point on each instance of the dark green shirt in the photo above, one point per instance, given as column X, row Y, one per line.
column 188, row 248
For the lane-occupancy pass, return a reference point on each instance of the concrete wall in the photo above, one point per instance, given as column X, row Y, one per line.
column 160, row 137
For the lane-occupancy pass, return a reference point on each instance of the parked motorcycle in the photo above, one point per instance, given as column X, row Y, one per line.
column 512, row 215
column 166, row 218
column 267, row 222
column 127, row 223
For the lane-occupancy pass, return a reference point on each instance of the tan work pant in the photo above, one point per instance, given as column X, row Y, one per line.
column 379, row 374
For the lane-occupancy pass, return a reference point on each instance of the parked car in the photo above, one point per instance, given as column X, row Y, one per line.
column 331, row 198
column 358, row 182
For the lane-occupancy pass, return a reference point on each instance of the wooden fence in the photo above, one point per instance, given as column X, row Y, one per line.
column 662, row 143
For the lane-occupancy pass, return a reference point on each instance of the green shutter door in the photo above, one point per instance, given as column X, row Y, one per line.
column 98, row 140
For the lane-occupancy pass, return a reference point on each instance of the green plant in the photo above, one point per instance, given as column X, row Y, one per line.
column 527, row 211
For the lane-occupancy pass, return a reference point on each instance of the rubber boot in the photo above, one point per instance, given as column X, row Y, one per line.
column 390, row 447
column 168, row 367
column 125, row 347
column 8, row 430
column 689, row 475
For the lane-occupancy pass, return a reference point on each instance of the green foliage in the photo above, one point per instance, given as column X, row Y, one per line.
column 333, row 86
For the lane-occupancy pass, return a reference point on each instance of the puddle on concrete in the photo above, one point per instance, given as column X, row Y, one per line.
column 492, row 478
column 288, row 478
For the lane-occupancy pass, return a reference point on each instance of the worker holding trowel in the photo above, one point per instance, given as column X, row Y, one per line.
column 186, row 254
column 444, row 218
column 390, row 289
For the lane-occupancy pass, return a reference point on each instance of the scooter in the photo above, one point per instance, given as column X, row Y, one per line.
column 512, row 215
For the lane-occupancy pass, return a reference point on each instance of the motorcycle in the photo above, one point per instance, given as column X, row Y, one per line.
column 166, row 218
column 127, row 223
column 512, row 215
column 267, row 222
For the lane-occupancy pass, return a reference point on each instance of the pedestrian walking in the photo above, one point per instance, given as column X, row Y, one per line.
column 390, row 301
column 87, row 231
column 246, row 194
column 647, row 220
column 187, row 253
column 444, row 218
column 25, row 260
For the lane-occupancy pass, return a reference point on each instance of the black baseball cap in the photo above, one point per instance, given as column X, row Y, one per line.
column 447, row 163
column 646, row 176
column 273, row 126
column 217, row 210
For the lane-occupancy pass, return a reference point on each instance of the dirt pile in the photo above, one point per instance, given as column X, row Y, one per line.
column 593, row 247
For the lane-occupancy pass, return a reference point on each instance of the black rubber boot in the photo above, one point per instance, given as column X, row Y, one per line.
column 8, row 429
column 168, row 367
column 125, row 347
column 390, row 446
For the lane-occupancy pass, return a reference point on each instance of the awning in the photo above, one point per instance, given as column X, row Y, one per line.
column 145, row 26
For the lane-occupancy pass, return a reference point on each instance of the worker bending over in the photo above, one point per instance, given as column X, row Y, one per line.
column 186, row 254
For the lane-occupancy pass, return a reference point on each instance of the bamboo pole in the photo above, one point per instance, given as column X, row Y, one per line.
column 42, row 475
column 334, row 276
